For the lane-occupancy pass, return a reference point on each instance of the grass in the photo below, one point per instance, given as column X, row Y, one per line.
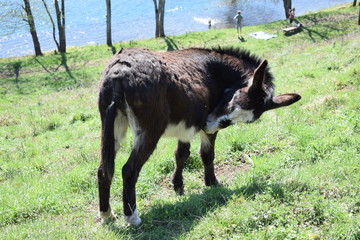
column 294, row 174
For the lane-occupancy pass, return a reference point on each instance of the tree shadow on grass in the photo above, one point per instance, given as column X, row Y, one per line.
column 64, row 63
column 171, row 45
column 113, row 48
column 312, row 20
column 22, row 80
column 171, row 220
column 312, row 32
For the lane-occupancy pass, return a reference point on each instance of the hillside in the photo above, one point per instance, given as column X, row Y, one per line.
column 294, row 174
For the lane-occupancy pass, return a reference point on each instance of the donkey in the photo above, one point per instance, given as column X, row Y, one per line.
column 176, row 94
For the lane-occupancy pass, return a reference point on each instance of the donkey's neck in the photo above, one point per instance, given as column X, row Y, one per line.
column 228, row 75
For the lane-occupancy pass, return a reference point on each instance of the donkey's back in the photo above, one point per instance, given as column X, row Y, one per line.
column 159, row 93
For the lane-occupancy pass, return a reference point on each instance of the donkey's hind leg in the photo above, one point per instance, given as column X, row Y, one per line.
column 181, row 155
column 104, row 178
column 144, row 145
column 207, row 157
column 105, row 213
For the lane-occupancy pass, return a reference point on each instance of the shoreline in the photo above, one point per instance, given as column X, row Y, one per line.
column 216, row 26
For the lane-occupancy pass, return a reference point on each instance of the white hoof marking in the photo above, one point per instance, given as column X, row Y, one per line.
column 107, row 216
column 133, row 219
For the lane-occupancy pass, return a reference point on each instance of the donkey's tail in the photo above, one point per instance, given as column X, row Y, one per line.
column 108, row 141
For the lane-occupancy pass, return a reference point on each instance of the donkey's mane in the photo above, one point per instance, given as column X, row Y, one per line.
column 250, row 59
column 239, row 53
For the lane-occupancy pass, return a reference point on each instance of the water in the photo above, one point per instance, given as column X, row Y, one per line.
column 133, row 20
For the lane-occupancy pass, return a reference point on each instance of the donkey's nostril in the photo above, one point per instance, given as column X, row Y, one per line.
column 225, row 123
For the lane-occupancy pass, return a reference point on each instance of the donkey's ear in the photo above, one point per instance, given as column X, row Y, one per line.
column 284, row 100
column 259, row 75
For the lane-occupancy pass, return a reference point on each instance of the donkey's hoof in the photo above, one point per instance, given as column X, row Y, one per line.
column 179, row 190
column 213, row 183
column 134, row 219
column 108, row 216
column 218, row 183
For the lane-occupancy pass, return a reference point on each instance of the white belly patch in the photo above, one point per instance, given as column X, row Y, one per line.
column 180, row 131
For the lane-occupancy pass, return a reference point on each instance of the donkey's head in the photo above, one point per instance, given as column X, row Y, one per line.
column 248, row 103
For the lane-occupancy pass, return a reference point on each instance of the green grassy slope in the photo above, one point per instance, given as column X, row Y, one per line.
column 294, row 174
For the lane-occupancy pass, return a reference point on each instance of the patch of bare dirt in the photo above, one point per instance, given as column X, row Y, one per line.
column 227, row 172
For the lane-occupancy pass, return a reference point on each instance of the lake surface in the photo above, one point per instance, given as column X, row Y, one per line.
column 133, row 20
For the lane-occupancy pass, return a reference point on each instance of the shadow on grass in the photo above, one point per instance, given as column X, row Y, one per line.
column 167, row 221
column 17, row 67
column 171, row 45
column 64, row 63
column 295, row 31
column 24, row 81
column 113, row 49
column 312, row 32
column 9, row 71
column 171, row 220
column 313, row 20
column 241, row 39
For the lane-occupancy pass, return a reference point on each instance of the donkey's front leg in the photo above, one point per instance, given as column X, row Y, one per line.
column 181, row 155
column 207, row 156
column 140, row 153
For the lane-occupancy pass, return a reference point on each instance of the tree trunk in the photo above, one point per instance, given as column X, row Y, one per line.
column 63, row 38
column 287, row 6
column 359, row 15
column 108, row 23
column 52, row 24
column 159, row 18
column 156, row 19
column 31, row 22
column 60, row 17
column 354, row 3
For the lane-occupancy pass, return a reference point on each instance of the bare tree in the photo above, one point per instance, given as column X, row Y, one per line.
column 108, row 23
column 52, row 24
column 159, row 17
column 31, row 22
column 60, row 17
column 354, row 5
column 287, row 6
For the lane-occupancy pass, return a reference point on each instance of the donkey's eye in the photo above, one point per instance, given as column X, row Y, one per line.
column 246, row 107
column 232, row 108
